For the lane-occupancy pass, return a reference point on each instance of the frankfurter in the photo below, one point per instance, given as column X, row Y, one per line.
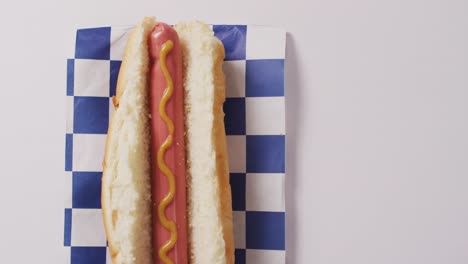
column 165, row 187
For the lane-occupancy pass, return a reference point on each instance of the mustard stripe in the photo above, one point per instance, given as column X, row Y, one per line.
column 166, row 223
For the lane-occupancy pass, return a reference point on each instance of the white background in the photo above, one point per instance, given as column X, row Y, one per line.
column 377, row 122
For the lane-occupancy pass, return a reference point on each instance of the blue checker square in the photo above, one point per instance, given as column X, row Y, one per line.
column 86, row 190
column 68, row 152
column 93, row 43
column 67, row 227
column 239, row 256
column 237, row 181
column 234, row 40
column 88, row 255
column 265, row 230
column 234, row 118
column 70, row 76
column 91, row 115
column 265, row 154
column 264, row 78
column 114, row 74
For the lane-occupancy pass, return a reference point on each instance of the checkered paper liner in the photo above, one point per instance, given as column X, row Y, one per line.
column 255, row 128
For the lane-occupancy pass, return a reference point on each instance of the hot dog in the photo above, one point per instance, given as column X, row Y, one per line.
column 165, row 187
column 167, row 133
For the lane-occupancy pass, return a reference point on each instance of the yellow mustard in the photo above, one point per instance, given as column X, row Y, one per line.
column 166, row 223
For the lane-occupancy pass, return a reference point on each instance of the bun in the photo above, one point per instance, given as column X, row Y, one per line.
column 209, row 193
column 126, row 188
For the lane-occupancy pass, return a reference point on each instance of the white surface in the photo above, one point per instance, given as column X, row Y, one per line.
column 377, row 123
column 118, row 42
column 260, row 198
column 68, row 189
column 91, row 69
column 260, row 112
column 238, row 219
column 263, row 256
column 236, row 144
column 82, row 218
column 236, row 69
column 69, row 104
column 262, row 37
column 84, row 146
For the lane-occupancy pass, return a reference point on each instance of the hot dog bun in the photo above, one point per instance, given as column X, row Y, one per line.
column 209, row 194
column 126, row 189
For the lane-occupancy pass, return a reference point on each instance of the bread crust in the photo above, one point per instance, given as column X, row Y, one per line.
column 198, row 40
column 105, row 190
column 222, row 168
column 106, row 210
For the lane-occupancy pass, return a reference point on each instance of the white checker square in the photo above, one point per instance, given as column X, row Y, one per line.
column 235, row 78
column 88, row 152
column 69, row 106
column 265, row 43
column 259, row 190
column 92, row 77
column 108, row 256
column 265, row 256
column 265, row 116
column 67, row 255
column 118, row 40
column 68, row 182
column 236, row 147
column 87, row 228
column 238, row 220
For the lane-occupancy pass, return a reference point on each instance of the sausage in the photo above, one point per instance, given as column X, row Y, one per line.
column 168, row 158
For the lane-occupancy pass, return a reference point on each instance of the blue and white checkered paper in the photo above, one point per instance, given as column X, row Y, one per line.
column 255, row 128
